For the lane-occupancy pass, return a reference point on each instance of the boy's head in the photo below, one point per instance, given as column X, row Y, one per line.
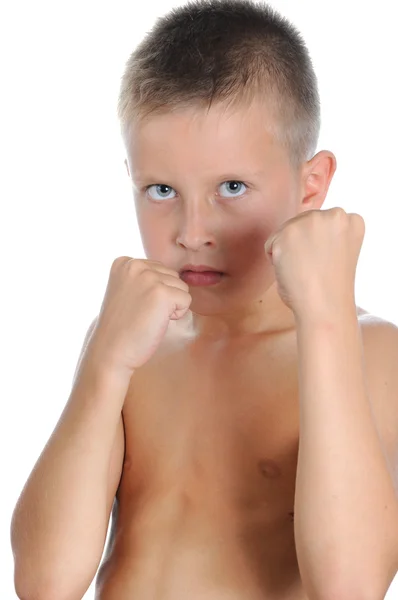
column 220, row 115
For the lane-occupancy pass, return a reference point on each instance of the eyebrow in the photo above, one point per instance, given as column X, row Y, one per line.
column 228, row 176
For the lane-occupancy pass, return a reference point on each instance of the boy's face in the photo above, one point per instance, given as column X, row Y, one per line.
column 194, row 212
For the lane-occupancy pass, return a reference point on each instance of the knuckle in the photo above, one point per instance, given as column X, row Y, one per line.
column 134, row 264
column 338, row 212
column 119, row 261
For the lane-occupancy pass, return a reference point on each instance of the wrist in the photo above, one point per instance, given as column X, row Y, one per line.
column 326, row 316
column 105, row 369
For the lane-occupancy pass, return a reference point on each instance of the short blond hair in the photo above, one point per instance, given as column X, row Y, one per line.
column 231, row 51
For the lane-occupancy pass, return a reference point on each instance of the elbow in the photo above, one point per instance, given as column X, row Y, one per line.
column 31, row 593
column 48, row 586
column 23, row 592
column 28, row 591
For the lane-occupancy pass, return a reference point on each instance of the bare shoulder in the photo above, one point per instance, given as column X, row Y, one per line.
column 370, row 321
column 378, row 333
column 367, row 318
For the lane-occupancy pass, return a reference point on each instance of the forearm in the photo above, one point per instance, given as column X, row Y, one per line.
column 345, row 505
column 59, row 524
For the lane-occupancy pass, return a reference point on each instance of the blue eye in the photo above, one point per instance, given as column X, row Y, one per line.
column 236, row 187
column 162, row 189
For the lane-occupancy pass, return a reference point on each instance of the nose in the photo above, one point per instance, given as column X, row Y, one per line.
column 196, row 227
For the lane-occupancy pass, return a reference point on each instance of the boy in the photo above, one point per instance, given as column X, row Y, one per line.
column 231, row 403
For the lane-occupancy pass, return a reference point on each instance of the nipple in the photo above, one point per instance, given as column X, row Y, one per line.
column 269, row 469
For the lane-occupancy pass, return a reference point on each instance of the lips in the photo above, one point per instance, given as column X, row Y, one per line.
column 197, row 271
column 202, row 278
column 200, row 269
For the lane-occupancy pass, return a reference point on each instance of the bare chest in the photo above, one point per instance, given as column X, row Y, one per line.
column 220, row 427
column 208, row 480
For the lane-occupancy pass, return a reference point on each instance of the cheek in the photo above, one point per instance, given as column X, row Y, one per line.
column 256, row 228
column 246, row 245
column 153, row 235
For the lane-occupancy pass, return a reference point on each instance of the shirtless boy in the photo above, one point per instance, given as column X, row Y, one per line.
column 242, row 427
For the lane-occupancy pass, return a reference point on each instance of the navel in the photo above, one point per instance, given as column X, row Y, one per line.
column 269, row 469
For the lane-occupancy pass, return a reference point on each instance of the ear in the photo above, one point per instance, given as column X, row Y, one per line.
column 317, row 176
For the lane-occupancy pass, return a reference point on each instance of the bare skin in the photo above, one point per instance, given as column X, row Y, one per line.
column 205, row 504
column 204, row 508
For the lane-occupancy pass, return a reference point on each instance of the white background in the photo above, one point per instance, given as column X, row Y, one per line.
column 66, row 205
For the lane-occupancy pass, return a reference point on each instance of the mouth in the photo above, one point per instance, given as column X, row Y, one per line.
column 204, row 271
column 199, row 269
column 202, row 278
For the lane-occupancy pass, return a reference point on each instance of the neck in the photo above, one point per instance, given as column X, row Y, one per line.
column 265, row 315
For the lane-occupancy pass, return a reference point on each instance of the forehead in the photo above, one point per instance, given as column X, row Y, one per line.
column 221, row 138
